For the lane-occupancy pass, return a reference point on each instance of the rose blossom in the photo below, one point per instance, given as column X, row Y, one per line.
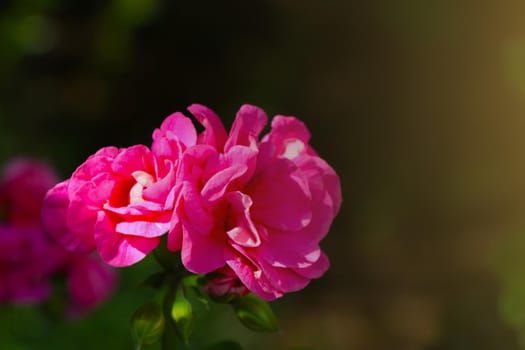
column 29, row 259
column 27, row 263
column 234, row 204
column 105, row 206
column 120, row 201
column 258, row 207
column 89, row 282
column 23, row 184
column 224, row 282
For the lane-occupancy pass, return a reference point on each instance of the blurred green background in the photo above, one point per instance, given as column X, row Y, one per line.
column 418, row 105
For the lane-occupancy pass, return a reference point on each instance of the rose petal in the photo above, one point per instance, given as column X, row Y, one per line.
column 315, row 270
column 142, row 228
column 201, row 254
column 284, row 279
column 249, row 122
column 214, row 133
column 218, row 184
column 244, row 231
column 131, row 159
column 251, row 276
column 177, row 127
column 96, row 164
column 292, row 250
column 281, row 197
column 54, row 218
column 194, row 211
column 117, row 249
column 285, row 128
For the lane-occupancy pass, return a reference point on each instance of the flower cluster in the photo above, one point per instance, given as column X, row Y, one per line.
column 250, row 210
column 29, row 259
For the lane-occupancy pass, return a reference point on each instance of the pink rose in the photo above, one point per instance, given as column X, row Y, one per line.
column 120, row 201
column 223, row 283
column 23, row 185
column 258, row 207
column 89, row 283
column 29, row 259
column 115, row 202
column 27, row 262
column 233, row 204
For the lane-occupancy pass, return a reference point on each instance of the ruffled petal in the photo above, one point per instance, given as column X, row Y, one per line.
column 315, row 270
column 96, row 164
column 289, row 138
column 177, row 127
column 243, row 231
column 249, row 122
column 131, row 159
column 117, row 249
column 214, row 133
column 284, row 280
column 201, row 253
column 292, row 250
column 251, row 276
column 55, row 220
column 281, row 197
column 142, row 228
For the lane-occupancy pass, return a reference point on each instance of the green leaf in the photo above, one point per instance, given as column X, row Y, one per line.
column 255, row 314
column 147, row 324
column 182, row 314
column 224, row 345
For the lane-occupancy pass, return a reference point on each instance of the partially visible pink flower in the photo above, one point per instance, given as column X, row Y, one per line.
column 259, row 207
column 23, row 184
column 29, row 259
column 224, row 282
column 89, row 283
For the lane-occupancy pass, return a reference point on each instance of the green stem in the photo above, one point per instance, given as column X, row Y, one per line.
column 171, row 263
column 169, row 337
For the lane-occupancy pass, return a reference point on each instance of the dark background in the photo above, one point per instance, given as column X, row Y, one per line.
column 418, row 105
